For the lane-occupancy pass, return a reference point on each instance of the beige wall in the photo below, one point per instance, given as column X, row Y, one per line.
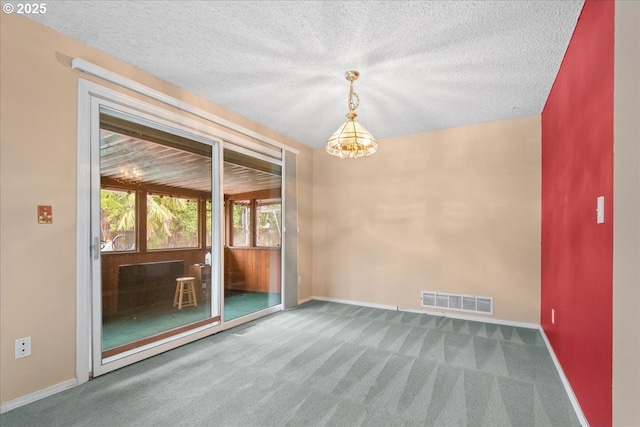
column 456, row 210
column 626, row 221
column 38, row 140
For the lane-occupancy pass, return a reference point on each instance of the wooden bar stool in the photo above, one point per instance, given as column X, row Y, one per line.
column 185, row 286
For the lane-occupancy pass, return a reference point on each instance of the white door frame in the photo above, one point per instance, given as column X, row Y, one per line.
column 91, row 98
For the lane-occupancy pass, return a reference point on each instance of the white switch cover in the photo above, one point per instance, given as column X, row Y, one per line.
column 600, row 210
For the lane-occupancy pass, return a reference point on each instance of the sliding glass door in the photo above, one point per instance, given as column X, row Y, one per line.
column 156, row 208
column 252, row 189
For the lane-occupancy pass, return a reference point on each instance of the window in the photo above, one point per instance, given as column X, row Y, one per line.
column 241, row 223
column 117, row 220
column 268, row 222
column 172, row 222
column 255, row 222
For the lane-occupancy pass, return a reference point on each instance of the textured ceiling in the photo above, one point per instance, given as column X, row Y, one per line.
column 424, row 65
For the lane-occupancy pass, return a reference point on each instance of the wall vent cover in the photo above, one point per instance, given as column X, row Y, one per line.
column 247, row 330
column 467, row 303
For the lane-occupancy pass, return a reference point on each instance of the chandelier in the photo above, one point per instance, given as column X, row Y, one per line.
column 352, row 140
column 129, row 175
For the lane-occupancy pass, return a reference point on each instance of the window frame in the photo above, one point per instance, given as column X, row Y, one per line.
column 266, row 202
column 141, row 193
column 253, row 198
column 248, row 203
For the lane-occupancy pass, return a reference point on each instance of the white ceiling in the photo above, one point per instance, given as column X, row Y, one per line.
column 424, row 65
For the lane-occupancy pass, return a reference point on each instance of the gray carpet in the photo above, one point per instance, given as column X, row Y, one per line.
column 328, row 364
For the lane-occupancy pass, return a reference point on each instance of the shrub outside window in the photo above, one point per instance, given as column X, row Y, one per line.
column 117, row 220
column 172, row 222
column 208, row 223
column 268, row 222
column 241, row 223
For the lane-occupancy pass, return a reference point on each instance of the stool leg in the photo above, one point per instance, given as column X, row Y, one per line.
column 175, row 297
column 193, row 292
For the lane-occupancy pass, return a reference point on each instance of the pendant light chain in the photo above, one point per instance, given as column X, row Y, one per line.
column 353, row 94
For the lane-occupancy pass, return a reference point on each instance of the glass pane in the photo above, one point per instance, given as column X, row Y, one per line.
column 208, row 223
column 157, row 286
column 117, row 220
column 241, row 214
column 172, row 222
column 252, row 262
column 268, row 223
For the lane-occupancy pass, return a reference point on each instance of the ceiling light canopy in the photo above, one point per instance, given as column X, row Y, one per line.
column 352, row 140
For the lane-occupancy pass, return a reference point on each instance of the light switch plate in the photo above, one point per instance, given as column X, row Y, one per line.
column 45, row 214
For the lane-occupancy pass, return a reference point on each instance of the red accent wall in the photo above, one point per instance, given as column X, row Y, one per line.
column 577, row 253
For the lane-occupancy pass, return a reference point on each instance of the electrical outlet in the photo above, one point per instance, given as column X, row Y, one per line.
column 23, row 347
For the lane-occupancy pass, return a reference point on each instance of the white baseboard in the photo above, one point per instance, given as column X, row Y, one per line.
column 360, row 303
column 302, row 301
column 433, row 313
column 474, row 318
column 40, row 394
column 565, row 382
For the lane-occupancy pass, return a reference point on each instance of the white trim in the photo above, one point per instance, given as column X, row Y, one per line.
column 83, row 238
column 222, row 230
column 141, row 353
column 120, row 104
column 474, row 318
column 91, row 98
column 565, row 382
column 95, row 285
column 37, row 395
column 283, row 232
column 217, row 230
column 433, row 313
column 302, row 301
column 256, row 150
column 360, row 303
column 251, row 316
column 104, row 74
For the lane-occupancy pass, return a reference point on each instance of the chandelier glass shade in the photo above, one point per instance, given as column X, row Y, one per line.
column 352, row 140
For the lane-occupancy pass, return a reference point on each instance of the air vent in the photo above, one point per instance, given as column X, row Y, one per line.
column 467, row 303
column 442, row 300
column 429, row 299
column 485, row 305
column 455, row 301
column 247, row 330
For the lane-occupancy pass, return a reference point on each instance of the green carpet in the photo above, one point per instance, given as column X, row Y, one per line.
column 327, row 364
column 241, row 303
column 124, row 329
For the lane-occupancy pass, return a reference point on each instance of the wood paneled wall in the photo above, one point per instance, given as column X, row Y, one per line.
column 112, row 262
column 252, row 269
column 248, row 269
